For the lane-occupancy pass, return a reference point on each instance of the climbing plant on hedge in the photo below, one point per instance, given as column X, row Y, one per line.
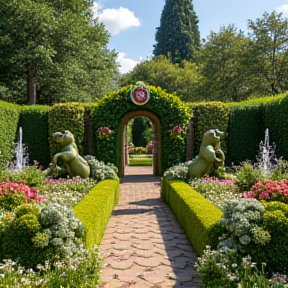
column 63, row 117
column 169, row 109
column 9, row 116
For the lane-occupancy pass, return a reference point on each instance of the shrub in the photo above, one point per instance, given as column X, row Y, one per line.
column 14, row 194
column 242, row 221
column 269, row 191
column 247, row 176
column 217, row 191
column 99, row 170
column 33, row 237
column 30, row 176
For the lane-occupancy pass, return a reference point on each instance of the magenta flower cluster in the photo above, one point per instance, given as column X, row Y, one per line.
column 269, row 190
column 176, row 131
column 104, row 132
column 8, row 188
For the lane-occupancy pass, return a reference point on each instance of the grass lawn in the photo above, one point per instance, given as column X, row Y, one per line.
column 140, row 160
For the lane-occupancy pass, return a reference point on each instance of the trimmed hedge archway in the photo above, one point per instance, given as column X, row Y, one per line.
column 112, row 110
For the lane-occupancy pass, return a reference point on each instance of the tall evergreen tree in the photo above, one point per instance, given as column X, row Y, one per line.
column 178, row 35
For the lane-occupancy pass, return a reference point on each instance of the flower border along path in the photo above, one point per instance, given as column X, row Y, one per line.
column 144, row 245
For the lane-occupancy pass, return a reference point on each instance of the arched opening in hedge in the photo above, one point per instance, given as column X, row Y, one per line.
column 157, row 149
column 116, row 109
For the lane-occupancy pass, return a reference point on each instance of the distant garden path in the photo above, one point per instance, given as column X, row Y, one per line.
column 143, row 245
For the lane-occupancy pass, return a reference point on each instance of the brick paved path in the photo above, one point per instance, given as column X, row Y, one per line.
column 144, row 246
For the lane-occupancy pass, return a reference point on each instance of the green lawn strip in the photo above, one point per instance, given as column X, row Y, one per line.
column 95, row 209
column 141, row 162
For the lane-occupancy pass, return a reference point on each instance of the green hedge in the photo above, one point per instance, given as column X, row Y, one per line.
column 196, row 215
column 169, row 109
column 206, row 116
column 95, row 209
column 34, row 123
column 63, row 117
column 248, row 122
column 245, row 132
column 276, row 119
column 9, row 117
column 275, row 252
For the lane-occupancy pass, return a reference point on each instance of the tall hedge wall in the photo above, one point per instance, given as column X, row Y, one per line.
column 275, row 114
column 68, row 116
column 248, row 122
column 34, row 123
column 245, row 132
column 206, row 116
column 9, row 116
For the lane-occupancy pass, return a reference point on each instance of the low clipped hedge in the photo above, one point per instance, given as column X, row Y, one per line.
column 196, row 215
column 95, row 209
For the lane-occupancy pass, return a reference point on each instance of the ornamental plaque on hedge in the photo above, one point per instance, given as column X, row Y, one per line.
column 139, row 94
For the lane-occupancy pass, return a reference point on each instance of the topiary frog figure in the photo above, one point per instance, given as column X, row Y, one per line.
column 74, row 163
column 210, row 154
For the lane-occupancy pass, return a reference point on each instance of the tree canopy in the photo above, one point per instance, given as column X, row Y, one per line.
column 55, row 49
column 182, row 79
column 178, row 35
column 230, row 65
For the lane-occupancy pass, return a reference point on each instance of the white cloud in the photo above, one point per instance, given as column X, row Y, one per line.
column 116, row 20
column 283, row 9
column 126, row 64
column 95, row 9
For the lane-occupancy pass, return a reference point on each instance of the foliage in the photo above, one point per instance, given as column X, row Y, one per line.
column 274, row 254
column 34, row 123
column 14, row 194
column 241, row 222
column 196, row 215
column 63, row 117
column 224, row 268
column 221, row 66
column 95, row 209
column 179, row 171
column 9, row 116
column 268, row 53
column 274, row 118
column 217, row 191
column 182, row 79
column 29, row 175
column 33, row 239
column 247, row 176
column 178, row 44
column 66, row 192
column 269, row 190
column 68, row 272
column 67, row 55
column 169, row 109
column 139, row 127
column 206, row 116
column 99, row 170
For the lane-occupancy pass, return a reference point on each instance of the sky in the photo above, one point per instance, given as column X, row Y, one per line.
column 132, row 23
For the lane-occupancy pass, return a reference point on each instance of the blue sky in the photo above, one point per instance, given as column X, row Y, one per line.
column 132, row 23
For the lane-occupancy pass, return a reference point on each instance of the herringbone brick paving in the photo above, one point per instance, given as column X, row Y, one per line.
column 144, row 246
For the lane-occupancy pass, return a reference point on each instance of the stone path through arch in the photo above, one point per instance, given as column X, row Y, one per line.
column 144, row 245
